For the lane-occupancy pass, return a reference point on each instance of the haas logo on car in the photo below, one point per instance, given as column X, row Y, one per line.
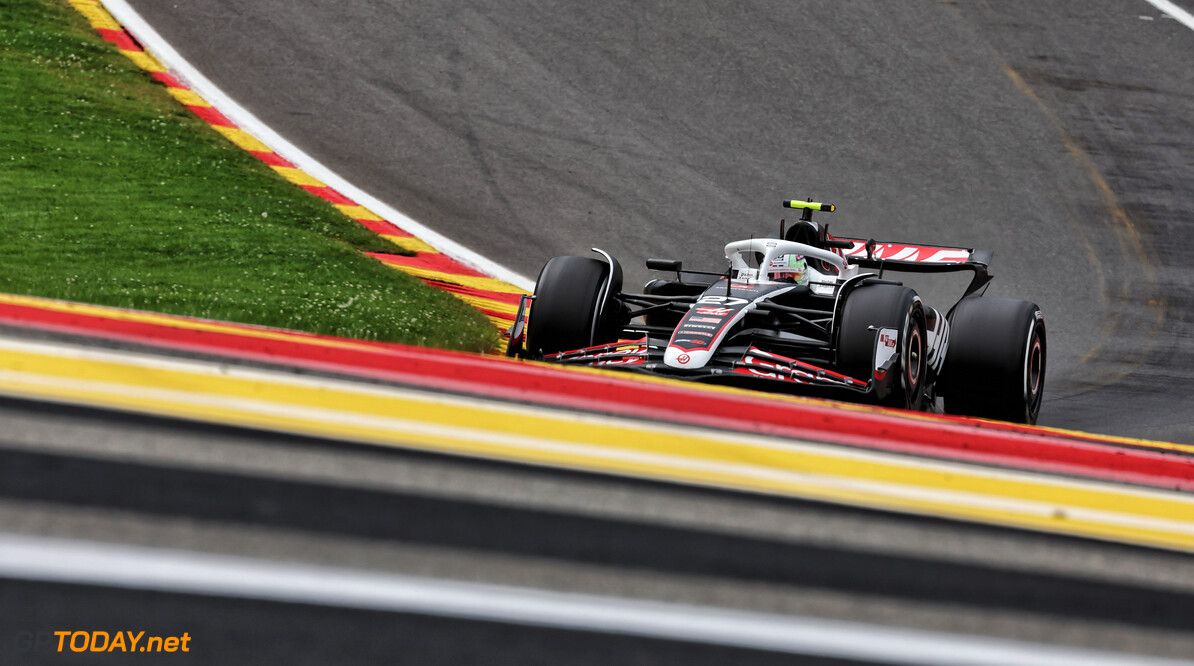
column 887, row 338
column 714, row 312
column 683, row 358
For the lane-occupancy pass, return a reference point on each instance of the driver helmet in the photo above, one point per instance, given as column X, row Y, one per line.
column 790, row 268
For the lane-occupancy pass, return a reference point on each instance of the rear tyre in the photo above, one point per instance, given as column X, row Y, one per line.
column 568, row 300
column 995, row 364
column 868, row 309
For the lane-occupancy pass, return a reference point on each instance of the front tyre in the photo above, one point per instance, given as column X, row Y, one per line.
column 995, row 364
column 869, row 309
column 567, row 311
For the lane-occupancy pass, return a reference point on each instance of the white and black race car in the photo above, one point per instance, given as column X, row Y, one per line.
column 804, row 313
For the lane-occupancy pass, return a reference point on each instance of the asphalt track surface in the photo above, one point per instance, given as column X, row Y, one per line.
column 1056, row 134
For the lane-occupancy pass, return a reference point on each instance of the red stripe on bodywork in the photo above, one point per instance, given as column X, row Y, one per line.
column 939, row 437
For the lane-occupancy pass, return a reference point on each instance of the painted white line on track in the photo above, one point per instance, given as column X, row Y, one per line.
column 1177, row 13
column 404, row 419
column 415, row 430
column 163, row 51
column 132, row 567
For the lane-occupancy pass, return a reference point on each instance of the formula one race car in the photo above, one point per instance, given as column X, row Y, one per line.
column 799, row 314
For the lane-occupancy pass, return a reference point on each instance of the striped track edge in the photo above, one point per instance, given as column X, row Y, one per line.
column 1075, row 454
column 70, row 561
column 471, row 426
column 485, row 293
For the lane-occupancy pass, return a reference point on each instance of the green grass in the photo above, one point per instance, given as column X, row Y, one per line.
column 113, row 193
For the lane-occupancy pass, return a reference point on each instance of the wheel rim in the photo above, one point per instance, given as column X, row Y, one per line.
column 1034, row 372
column 912, row 364
column 1034, row 368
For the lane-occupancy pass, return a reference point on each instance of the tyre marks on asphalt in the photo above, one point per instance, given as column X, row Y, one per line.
column 1118, row 93
column 1143, row 288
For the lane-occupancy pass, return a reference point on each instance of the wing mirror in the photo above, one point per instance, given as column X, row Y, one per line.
column 664, row 264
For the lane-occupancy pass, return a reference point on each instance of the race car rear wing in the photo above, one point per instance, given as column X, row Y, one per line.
column 919, row 259
column 869, row 252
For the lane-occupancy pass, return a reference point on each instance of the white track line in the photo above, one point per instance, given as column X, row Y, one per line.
column 400, row 426
column 414, row 430
column 110, row 565
column 131, row 20
column 1177, row 13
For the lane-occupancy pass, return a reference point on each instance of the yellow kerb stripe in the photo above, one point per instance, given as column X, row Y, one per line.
column 241, row 138
column 298, row 176
column 358, row 212
column 502, row 324
column 483, row 283
column 495, row 430
column 145, row 61
column 187, row 97
column 481, row 302
column 96, row 15
column 411, row 244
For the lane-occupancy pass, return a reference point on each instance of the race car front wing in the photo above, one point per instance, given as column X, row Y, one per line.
column 755, row 363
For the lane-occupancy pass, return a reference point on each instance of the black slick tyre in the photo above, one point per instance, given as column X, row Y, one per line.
column 867, row 310
column 995, row 364
column 568, row 302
